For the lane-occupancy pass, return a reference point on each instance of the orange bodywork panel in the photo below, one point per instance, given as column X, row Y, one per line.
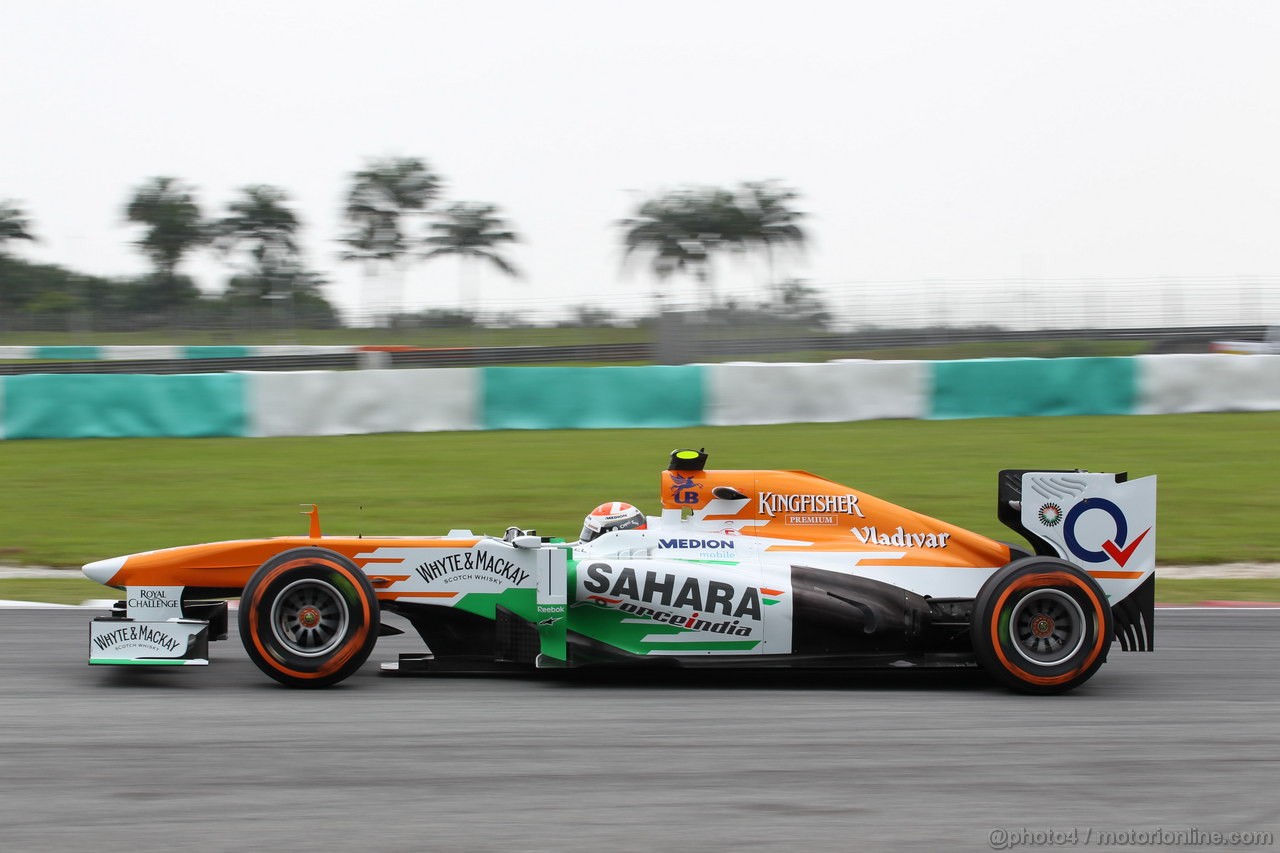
column 822, row 516
column 229, row 565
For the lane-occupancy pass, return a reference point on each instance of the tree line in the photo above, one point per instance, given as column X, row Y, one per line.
column 394, row 216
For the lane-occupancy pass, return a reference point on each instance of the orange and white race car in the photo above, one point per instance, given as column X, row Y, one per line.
column 741, row 568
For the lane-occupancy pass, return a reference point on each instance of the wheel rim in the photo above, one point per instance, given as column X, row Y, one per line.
column 309, row 617
column 1047, row 627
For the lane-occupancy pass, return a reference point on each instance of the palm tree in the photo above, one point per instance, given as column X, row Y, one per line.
column 14, row 224
column 772, row 219
column 260, row 225
column 174, row 226
column 676, row 231
column 471, row 231
column 381, row 197
column 683, row 229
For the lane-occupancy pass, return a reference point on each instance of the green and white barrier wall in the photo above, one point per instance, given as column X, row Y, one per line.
column 79, row 405
column 496, row 398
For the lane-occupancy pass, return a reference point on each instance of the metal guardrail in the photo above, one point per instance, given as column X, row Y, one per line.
column 460, row 357
column 696, row 345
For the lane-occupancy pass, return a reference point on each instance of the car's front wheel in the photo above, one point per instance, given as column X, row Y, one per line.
column 1041, row 625
column 308, row 617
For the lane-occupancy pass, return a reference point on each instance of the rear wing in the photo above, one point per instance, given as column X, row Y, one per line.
column 1103, row 523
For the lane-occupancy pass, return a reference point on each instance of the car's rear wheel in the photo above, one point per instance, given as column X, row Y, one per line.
column 308, row 617
column 1041, row 625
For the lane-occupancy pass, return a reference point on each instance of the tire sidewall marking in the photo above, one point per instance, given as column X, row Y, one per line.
column 341, row 655
column 1094, row 622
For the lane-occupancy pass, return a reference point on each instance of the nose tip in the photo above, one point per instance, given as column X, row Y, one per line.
column 103, row 571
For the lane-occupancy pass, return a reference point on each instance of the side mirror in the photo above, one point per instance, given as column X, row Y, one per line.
column 522, row 538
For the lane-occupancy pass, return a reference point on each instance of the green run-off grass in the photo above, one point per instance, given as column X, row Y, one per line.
column 67, row 502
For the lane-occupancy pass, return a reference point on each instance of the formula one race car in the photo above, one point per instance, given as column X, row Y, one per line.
column 740, row 569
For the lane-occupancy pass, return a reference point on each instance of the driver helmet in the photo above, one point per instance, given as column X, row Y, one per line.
column 614, row 515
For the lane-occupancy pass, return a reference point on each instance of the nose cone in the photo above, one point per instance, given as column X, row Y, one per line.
column 103, row 571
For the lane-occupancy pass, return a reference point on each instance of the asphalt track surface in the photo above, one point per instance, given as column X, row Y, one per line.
column 221, row 758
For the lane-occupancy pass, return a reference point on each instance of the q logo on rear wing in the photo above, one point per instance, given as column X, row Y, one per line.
column 1092, row 519
column 1116, row 548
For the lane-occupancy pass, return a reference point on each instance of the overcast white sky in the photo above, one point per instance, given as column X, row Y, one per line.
column 943, row 140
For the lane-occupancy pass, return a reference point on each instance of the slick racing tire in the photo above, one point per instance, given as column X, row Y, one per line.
column 308, row 617
column 1041, row 625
